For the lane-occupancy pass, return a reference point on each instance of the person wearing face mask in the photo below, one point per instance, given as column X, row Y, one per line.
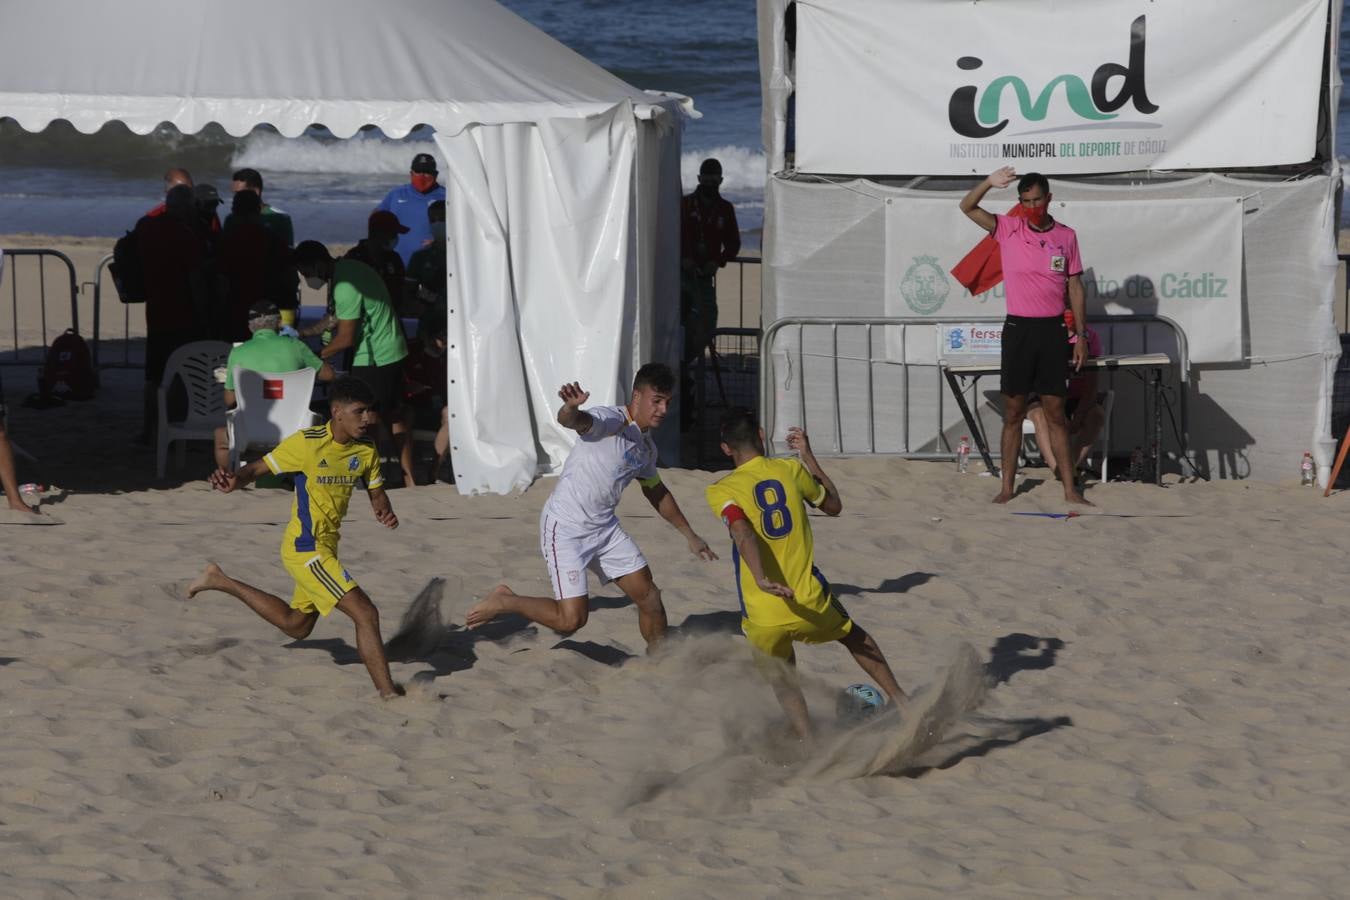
column 368, row 325
column 409, row 203
column 426, row 269
column 376, row 250
column 1041, row 264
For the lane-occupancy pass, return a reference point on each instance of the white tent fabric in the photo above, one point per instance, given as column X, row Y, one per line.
column 291, row 64
column 560, row 174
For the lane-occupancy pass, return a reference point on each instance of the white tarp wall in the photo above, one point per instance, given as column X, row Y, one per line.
column 1263, row 398
column 1254, row 417
column 551, row 283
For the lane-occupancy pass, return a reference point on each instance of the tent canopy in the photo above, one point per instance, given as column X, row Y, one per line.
column 292, row 64
column 565, row 182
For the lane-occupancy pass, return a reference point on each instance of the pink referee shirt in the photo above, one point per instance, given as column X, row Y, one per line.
column 1036, row 266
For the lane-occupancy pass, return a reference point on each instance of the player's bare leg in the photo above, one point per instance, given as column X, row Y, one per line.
column 292, row 622
column 222, row 449
column 1014, row 411
column 869, row 656
column 564, row 616
column 1053, row 409
column 8, row 480
column 369, row 644
column 786, row 687
column 646, row 596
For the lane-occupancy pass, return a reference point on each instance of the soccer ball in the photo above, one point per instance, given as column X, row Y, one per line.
column 859, row 701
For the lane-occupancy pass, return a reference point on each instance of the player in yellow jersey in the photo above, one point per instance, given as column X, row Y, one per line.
column 328, row 461
column 784, row 598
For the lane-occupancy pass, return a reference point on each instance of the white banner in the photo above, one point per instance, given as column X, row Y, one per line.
column 1181, row 259
column 934, row 87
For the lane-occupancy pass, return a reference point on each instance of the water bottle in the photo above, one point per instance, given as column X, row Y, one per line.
column 1307, row 470
column 963, row 455
column 31, row 488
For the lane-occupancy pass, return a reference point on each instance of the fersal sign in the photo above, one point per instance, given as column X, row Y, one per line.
column 273, row 388
column 970, row 339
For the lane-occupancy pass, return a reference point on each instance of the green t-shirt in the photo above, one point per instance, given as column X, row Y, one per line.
column 268, row 351
column 359, row 293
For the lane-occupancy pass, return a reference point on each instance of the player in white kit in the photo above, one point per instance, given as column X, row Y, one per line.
column 579, row 530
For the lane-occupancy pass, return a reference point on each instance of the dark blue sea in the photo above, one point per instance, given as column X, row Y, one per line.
column 63, row 182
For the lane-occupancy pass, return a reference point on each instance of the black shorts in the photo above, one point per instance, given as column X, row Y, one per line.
column 387, row 384
column 1035, row 356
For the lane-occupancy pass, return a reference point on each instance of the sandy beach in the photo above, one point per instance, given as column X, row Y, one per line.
column 1164, row 715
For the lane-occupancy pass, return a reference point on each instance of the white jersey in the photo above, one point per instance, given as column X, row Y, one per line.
column 600, row 466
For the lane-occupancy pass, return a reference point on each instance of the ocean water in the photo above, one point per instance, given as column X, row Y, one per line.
column 63, row 182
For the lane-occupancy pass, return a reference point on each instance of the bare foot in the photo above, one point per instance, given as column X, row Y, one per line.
column 1076, row 498
column 398, row 691
column 20, row 506
column 489, row 608
column 211, row 579
column 1003, row 496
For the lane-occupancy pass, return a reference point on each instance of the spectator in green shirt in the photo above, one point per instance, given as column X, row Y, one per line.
column 368, row 323
column 265, row 351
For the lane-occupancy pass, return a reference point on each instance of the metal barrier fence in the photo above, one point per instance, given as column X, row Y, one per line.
column 724, row 276
column 1345, row 294
column 17, row 272
column 102, row 278
column 769, row 379
column 724, row 378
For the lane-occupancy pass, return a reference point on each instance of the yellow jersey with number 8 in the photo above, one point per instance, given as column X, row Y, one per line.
column 773, row 495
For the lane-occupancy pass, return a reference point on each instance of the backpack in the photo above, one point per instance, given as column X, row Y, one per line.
column 69, row 363
column 128, row 276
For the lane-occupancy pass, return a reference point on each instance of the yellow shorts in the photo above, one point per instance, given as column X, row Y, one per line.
column 320, row 580
column 830, row 624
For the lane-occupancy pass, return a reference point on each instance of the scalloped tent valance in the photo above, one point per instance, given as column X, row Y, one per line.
column 291, row 64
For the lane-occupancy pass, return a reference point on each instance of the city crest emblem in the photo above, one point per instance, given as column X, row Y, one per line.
column 925, row 286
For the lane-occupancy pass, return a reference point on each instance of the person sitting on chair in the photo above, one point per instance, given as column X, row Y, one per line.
column 265, row 351
column 1081, row 407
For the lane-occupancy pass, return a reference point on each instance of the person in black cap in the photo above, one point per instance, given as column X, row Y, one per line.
column 409, row 203
column 378, row 250
column 709, row 239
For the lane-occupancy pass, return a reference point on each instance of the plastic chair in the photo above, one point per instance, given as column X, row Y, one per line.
column 1108, row 402
column 196, row 364
column 271, row 406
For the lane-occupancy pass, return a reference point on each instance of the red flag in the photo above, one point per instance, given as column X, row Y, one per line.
column 982, row 268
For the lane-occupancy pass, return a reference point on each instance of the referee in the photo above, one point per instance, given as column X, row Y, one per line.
column 1040, row 264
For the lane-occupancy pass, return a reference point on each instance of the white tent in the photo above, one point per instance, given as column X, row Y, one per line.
column 563, row 180
column 1190, row 142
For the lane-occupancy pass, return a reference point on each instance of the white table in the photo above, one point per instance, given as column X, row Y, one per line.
column 957, row 369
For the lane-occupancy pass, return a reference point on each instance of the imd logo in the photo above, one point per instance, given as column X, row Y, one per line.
column 979, row 114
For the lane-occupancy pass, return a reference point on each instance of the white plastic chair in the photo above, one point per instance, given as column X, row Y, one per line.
column 1108, row 401
column 271, row 406
column 196, row 364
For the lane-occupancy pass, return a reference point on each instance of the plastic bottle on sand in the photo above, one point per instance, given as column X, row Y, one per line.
column 1307, row 470
column 963, row 455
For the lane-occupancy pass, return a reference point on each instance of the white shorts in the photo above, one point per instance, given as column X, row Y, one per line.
column 569, row 550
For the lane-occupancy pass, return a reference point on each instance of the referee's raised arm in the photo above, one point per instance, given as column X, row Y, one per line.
column 970, row 203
